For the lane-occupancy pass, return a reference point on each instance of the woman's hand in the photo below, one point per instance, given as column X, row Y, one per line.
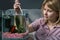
column 26, row 33
column 17, row 7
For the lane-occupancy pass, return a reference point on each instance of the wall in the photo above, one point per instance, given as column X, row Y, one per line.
column 25, row 4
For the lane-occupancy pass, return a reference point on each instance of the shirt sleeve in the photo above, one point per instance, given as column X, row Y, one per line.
column 36, row 24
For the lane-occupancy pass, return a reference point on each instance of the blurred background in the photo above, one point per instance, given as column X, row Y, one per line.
column 30, row 7
column 25, row 4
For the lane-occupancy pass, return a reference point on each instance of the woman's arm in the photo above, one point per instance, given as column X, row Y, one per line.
column 34, row 26
column 30, row 28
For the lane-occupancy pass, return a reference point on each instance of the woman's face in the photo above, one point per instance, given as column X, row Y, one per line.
column 49, row 14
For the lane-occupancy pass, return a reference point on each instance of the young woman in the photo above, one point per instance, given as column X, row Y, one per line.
column 48, row 27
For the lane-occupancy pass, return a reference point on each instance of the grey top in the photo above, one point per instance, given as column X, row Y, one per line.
column 43, row 32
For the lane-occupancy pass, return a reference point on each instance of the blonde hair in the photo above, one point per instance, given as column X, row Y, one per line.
column 54, row 5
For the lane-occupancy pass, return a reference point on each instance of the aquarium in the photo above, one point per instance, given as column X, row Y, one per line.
column 10, row 22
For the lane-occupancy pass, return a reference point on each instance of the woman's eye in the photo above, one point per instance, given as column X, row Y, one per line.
column 50, row 10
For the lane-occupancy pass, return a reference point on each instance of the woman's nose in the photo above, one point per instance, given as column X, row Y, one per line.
column 45, row 12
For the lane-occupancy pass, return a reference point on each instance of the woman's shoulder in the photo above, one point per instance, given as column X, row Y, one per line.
column 40, row 20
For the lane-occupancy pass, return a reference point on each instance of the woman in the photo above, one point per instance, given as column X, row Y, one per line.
column 48, row 27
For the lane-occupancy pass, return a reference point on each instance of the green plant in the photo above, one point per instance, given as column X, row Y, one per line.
column 20, row 22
